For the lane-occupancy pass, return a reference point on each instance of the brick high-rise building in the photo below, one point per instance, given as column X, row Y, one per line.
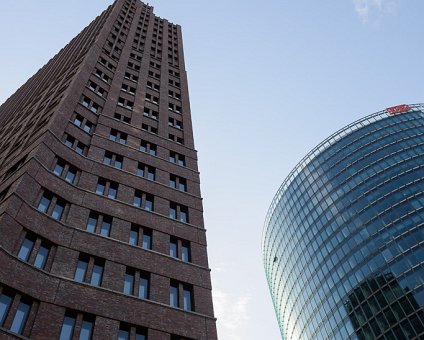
column 101, row 224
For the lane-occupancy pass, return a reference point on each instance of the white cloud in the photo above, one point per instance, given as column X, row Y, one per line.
column 367, row 9
column 231, row 312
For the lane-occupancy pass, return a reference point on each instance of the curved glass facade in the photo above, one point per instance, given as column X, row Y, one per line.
column 343, row 241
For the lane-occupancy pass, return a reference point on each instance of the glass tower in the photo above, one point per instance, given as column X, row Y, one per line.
column 343, row 241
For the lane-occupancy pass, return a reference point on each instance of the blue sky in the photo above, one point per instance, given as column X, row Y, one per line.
column 268, row 81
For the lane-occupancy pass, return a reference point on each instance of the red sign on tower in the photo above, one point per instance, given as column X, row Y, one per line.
column 398, row 109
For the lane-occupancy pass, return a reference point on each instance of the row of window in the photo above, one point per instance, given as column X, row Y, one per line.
column 15, row 317
column 121, row 138
column 101, row 224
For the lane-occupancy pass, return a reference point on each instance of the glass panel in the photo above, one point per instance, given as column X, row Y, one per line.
column 100, row 189
column 20, row 318
column 123, row 335
column 58, row 168
column 44, row 204
column 105, row 229
column 173, row 213
column 107, row 160
column 81, row 270
column 147, row 241
column 143, row 288
column 80, row 148
column 91, row 224
column 183, row 216
column 70, row 176
column 187, row 299
column 67, row 328
column 26, row 249
column 173, row 251
column 185, row 253
column 57, row 211
column 151, row 175
column 128, row 283
column 96, row 277
column 173, row 296
column 112, row 192
column 140, row 336
column 133, row 237
column 41, row 258
column 149, row 205
column 137, row 201
column 86, row 330
column 5, row 302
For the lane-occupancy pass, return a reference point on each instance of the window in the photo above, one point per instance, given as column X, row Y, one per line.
column 71, row 324
column 106, row 64
column 72, row 143
column 21, row 316
column 146, row 171
column 5, row 303
column 175, row 123
column 150, row 113
column 177, row 182
column 129, row 281
column 123, row 118
column 131, row 77
column 52, row 205
column 177, row 158
column 174, row 108
column 149, row 128
column 143, row 200
column 26, row 247
column 118, row 136
column 113, row 160
column 90, row 104
column 102, row 75
column 174, row 83
column 153, row 86
column 125, row 103
column 152, row 99
column 173, row 295
column 41, row 252
column 143, row 288
column 148, row 147
column 175, row 95
column 96, row 89
column 81, row 272
column 99, row 224
column 141, row 237
column 179, row 248
column 125, row 330
column 129, row 89
column 83, row 123
column 188, row 297
column 107, row 188
column 178, row 212
column 65, row 170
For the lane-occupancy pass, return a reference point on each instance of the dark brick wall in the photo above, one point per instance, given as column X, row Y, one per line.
column 53, row 290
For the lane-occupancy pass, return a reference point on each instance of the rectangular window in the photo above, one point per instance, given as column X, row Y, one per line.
column 129, row 282
column 179, row 248
column 113, row 159
column 21, row 316
column 178, row 212
column 81, row 270
column 173, row 295
column 106, row 226
column 26, row 248
column 97, row 274
column 5, row 303
column 52, row 205
column 118, row 136
column 177, row 183
column 176, row 158
column 72, row 325
column 148, row 147
column 87, row 326
column 107, row 188
column 141, row 237
column 143, row 200
column 92, row 222
column 143, row 289
column 42, row 255
column 144, row 170
column 188, row 297
column 68, row 326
